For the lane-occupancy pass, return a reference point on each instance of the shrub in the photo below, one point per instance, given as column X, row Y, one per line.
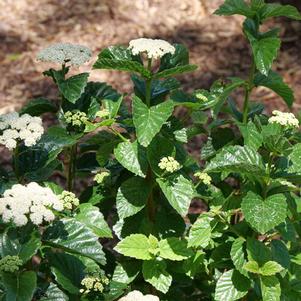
column 55, row 242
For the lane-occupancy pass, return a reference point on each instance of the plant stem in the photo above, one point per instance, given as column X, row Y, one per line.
column 71, row 167
column 148, row 85
column 248, row 89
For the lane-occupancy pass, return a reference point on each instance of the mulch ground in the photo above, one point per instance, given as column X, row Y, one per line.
column 216, row 43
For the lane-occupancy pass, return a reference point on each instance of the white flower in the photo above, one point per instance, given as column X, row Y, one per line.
column 169, row 164
column 33, row 202
column 154, row 49
column 284, row 119
column 203, row 177
column 62, row 53
column 138, row 296
column 17, row 128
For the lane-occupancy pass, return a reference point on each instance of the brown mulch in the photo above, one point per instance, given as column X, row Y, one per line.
column 216, row 44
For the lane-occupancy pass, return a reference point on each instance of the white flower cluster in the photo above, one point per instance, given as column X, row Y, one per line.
column 62, row 53
column 16, row 128
column 169, row 164
column 75, row 118
column 154, row 49
column 285, row 119
column 31, row 202
column 92, row 283
column 69, row 200
column 138, row 296
column 203, row 177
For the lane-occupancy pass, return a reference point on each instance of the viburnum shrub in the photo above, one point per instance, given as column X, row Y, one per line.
column 121, row 227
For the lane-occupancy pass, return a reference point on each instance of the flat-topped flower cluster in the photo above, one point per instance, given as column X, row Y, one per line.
column 32, row 202
column 16, row 128
column 153, row 48
column 138, row 296
column 284, row 119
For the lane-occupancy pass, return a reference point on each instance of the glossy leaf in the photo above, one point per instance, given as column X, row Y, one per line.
column 256, row 210
column 270, row 288
column 235, row 7
column 132, row 156
column 174, row 249
column 174, row 71
column 231, row 286
column 155, row 273
column 75, row 237
column 200, row 232
column 38, row 106
column 238, row 255
column 178, row 191
column 275, row 82
column 148, row 121
column 277, row 10
column 132, row 196
column 53, row 293
column 94, row 219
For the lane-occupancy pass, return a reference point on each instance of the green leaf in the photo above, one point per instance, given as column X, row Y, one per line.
column 73, row 87
column 174, row 71
column 270, row 288
column 24, row 246
column 132, row 196
column 179, row 58
column 53, row 293
column 126, row 272
column 256, row 210
column 237, row 159
column 174, row 249
column 270, row 268
column 275, row 82
column 280, row 253
column 19, row 287
column 252, row 137
column 233, row 7
column 258, row 251
column 278, row 10
column 94, row 219
column 295, row 158
column 265, row 49
column 75, row 237
column 136, row 246
column 148, row 121
column 120, row 58
column 252, row 267
column 132, row 156
column 231, row 286
column 68, row 271
column 178, row 191
column 200, row 232
column 238, row 255
column 38, row 106
column 154, row 272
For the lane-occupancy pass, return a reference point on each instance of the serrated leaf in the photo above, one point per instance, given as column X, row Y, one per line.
column 132, row 196
column 179, row 58
column 75, row 237
column 270, row 268
column 252, row 267
column 148, row 121
column 174, row 71
column 136, row 246
column 200, row 232
column 238, row 255
column 233, row 7
column 120, row 58
column 73, row 87
column 278, row 10
column 94, row 219
column 132, row 156
column 25, row 246
column 174, row 249
column 237, row 159
column 68, row 271
column 126, row 272
column 275, row 82
column 178, row 191
column 53, row 293
column 252, row 137
column 295, row 158
column 19, row 287
column 154, row 272
column 280, row 253
column 258, row 251
column 265, row 49
column 270, row 288
column 231, row 286
column 256, row 210
column 38, row 106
